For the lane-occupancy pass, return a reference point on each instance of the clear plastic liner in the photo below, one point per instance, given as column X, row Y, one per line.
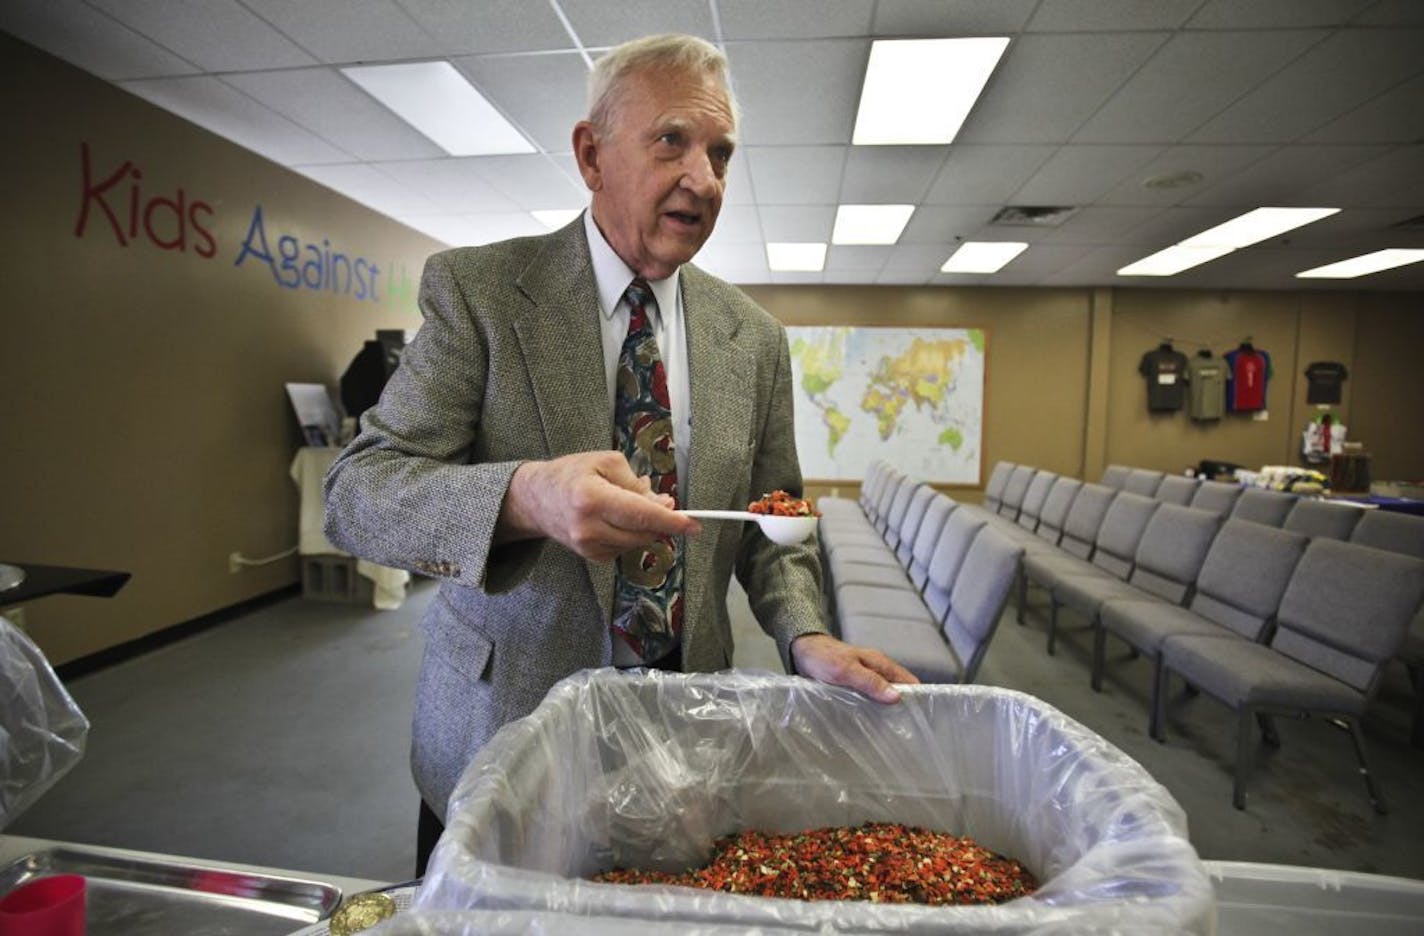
column 42, row 730
column 646, row 770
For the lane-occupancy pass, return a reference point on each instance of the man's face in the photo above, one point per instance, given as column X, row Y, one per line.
column 659, row 169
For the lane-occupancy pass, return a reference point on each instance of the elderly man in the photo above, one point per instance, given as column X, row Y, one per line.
column 565, row 394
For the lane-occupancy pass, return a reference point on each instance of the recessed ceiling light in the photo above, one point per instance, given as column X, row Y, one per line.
column 1364, row 264
column 796, row 257
column 1173, row 260
column 1256, row 226
column 919, row 91
column 870, row 224
column 982, row 256
column 436, row 99
column 555, row 218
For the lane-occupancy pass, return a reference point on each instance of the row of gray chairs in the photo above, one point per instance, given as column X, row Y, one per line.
column 915, row 574
column 1161, row 575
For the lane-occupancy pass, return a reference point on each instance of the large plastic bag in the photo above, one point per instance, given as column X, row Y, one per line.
column 42, row 730
column 646, row 770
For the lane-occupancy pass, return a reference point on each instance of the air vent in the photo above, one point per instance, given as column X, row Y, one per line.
column 1033, row 215
column 1415, row 223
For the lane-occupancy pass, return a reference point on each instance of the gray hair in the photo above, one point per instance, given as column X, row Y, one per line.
column 669, row 51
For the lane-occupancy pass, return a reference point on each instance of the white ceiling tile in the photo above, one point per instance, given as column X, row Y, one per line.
column 534, row 183
column 216, row 35
column 889, row 175
column 917, row 258
column 349, row 30
column 793, row 19
column 1173, row 225
column 1393, row 178
column 945, row 18
column 1368, row 228
column 1031, row 266
column 89, row 39
column 797, row 223
column 889, row 277
column 376, row 190
column 830, row 72
column 1110, row 15
column 231, row 114
column 1280, row 178
column 784, row 278
column 464, row 28
column 1275, row 14
column 844, row 277
column 737, row 224
column 1396, row 116
column 1078, row 175
column 857, row 257
column 471, row 230
column 542, row 94
column 1097, row 268
column 748, row 256
column 599, row 23
column 453, row 184
column 937, row 224
column 326, row 103
column 1189, row 81
column 796, row 175
column 739, row 189
column 1320, row 86
column 1046, row 86
column 1213, row 163
column 979, row 175
column 1099, row 224
column 1393, row 13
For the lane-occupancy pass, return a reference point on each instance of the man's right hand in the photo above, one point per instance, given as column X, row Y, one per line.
column 591, row 502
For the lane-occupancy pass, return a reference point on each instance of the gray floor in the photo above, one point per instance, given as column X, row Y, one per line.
column 280, row 739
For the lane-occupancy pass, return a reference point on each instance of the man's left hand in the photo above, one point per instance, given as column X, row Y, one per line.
column 836, row 663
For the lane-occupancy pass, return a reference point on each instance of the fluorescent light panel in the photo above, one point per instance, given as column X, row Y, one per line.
column 870, row 224
column 1173, row 260
column 1242, row 231
column 982, row 256
column 1364, row 264
column 1256, row 226
column 555, row 218
column 919, row 91
column 436, row 99
column 796, row 257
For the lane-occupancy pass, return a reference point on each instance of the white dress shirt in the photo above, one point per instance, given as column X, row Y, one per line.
column 613, row 276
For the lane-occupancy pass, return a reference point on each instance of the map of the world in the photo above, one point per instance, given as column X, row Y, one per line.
column 911, row 396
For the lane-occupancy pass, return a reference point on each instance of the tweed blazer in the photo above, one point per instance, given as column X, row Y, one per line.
column 508, row 367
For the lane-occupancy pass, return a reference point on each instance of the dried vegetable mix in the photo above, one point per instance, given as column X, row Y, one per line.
column 782, row 504
column 879, row 861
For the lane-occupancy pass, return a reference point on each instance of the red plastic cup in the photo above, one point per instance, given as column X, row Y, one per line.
column 48, row 906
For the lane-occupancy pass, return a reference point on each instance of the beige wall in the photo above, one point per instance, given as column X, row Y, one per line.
column 147, row 427
column 145, row 421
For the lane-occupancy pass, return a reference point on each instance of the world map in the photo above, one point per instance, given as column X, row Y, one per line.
column 911, row 396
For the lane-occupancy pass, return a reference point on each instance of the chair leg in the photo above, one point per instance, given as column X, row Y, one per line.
column 1156, row 723
column 1100, row 642
column 1376, row 795
column 1244, row 738
column 1268, row 729
column 1052, row 623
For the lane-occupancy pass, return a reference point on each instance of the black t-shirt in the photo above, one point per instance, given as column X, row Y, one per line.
column 1166, row 371
column 1325, row 378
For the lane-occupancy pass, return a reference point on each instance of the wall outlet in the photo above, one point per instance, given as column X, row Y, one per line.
column 16, row 616
column 234, row 562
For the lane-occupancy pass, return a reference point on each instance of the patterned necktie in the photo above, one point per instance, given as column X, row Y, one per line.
column 647, row 617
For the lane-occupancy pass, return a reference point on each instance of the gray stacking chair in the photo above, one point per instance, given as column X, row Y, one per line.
column 1115, row 476
column 1034, row 499
column 1144, row 482
column 1011, row 501
column 836, row 532
column 1114, row 556
column 1343, row 615
column 838, row 507
column 1177, row 489
column 994, row 490
column 977, row 602
column 869, row 564
column 1080, row 531
column 927, row 540
column 856, row 602
column 1260, row 505
column 1396, row 532
column 1055, row 510
column 1216, row 496
column 1237, row 591
column 1322, row 518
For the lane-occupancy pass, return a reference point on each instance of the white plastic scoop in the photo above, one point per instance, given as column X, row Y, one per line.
column 784, row 531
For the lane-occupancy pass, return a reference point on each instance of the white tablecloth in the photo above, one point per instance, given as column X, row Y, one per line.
column 308, row 470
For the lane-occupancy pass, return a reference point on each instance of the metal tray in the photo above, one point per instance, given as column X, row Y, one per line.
column 132, row 895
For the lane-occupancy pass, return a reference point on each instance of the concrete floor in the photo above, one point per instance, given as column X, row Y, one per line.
column 280, row 738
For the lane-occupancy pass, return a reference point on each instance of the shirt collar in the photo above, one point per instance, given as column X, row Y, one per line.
column 613, row 275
